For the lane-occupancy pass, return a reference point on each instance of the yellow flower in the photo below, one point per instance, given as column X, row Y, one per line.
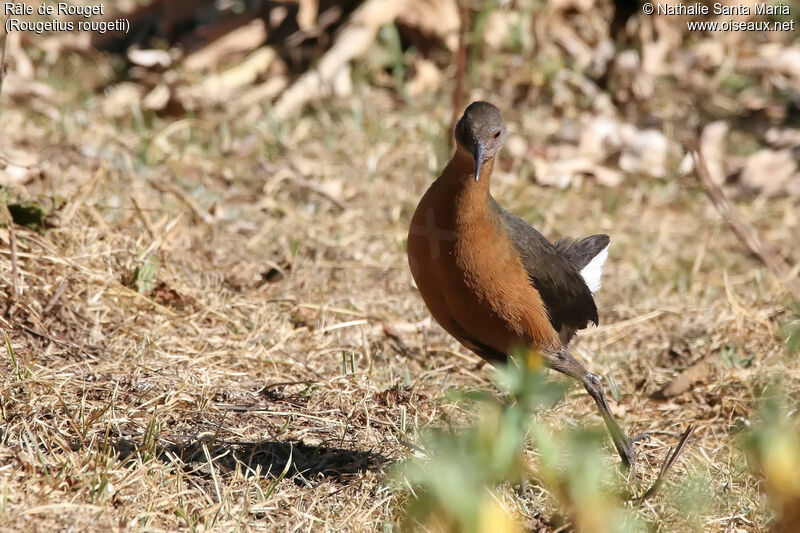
column 492, row 518
column 781, row 463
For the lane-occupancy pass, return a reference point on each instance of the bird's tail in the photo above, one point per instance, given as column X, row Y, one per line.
column 587, row 256
column 582, row 251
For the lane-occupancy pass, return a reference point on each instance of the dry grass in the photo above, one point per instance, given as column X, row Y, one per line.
column 284, row 358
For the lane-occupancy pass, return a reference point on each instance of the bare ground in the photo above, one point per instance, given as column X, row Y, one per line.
column 283, row 359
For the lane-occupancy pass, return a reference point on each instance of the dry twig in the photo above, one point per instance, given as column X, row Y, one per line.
column 54, row 299
column 747, row 233
column 12, row 238
column 311, row 186
column 672, row 456
column 3, row 40
column 12, row 243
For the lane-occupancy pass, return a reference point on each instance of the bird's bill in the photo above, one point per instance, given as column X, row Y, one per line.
column 477, row 157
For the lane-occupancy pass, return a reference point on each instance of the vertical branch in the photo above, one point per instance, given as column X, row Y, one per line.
column 12, row 242
column 461, row 67
column 3, row 39
column 12, row 238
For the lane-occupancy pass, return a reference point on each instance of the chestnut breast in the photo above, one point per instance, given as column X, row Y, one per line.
column 469, row 273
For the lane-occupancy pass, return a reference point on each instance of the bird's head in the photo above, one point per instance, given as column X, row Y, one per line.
column 481, row 133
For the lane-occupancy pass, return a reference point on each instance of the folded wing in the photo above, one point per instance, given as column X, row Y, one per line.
column 564, row 273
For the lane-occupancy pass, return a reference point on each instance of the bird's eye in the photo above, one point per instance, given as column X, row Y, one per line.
column 497, row 134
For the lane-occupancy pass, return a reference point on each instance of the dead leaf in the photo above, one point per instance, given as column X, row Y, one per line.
column 14, row 175
column 640, row 151
column 39, row 96
column 18, row 88
column 503, row 25
column 602, row 56
column 21, row 63
column 788, row 62
column 121, row 97
column 304, row 317
column 645, row 152
column 712, row 144
column 606, row 176
column 242, row 40
column 169, row 297
column 438, row 18
column 599, row 137
column 150, row 58
column 774, row 57
column 263, row 92
column 516, row 145
column 13, row 155
column 157, row 99
column 354, row 39
column 793, row 187
column 221, row 87
column 61, row 42
column 342, row 82
column 769, row 171
column 307, row 14
column 562, row 173
column 695, row 374
column 783, row 138
column 427, row 78
column 576, row 48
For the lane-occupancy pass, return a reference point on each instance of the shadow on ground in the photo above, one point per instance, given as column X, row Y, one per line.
column 265, row 458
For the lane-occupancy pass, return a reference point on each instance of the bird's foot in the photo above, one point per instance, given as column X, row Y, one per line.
column 627, row 451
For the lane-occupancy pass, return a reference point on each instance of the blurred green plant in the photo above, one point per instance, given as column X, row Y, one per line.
column 21, row 370
column 772, row 445
column 28, row 213
column 145, row 275
column 693, row 498
column 457, row 486
column 791, row 330
column 395, row 60
column 573, row 466
column 732, row 359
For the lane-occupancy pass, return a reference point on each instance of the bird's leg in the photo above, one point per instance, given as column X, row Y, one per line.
column 624, row 444
column 564, row 362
